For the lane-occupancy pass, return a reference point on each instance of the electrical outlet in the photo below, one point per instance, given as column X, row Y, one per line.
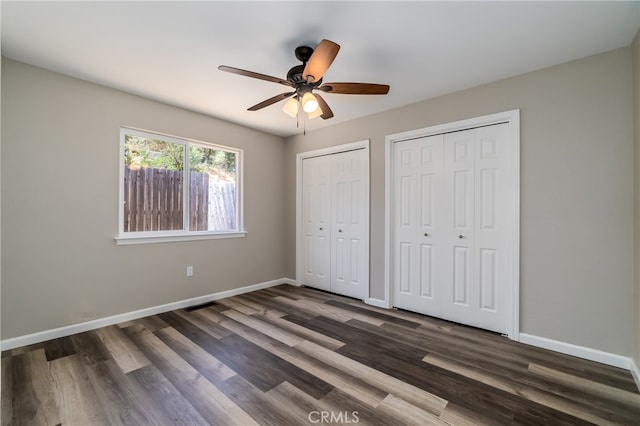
column 189, row 271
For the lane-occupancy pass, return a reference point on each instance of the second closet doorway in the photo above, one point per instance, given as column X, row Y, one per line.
column 453, row 223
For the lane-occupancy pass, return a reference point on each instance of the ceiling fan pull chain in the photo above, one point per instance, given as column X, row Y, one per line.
column 304, row 124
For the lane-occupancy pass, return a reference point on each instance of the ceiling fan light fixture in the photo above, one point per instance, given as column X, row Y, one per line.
column 291, row 107
column 309, row 102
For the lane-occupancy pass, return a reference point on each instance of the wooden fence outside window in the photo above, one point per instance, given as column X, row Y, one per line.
column 153, row 201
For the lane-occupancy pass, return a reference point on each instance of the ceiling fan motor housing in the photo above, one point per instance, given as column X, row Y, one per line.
column 303, row 53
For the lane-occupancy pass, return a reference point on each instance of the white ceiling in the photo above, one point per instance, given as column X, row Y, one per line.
column 170, row 51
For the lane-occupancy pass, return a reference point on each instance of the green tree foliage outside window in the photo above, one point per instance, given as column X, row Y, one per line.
column 153, row 153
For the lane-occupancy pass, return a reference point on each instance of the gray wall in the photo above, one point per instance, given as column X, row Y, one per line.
column 60, row 149
column 576, row 191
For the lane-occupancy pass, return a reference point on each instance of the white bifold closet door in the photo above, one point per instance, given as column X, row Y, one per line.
column 449, row 226
column 335, row 202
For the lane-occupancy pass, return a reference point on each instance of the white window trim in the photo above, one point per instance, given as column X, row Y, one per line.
column 175, row 237
column 127, row 238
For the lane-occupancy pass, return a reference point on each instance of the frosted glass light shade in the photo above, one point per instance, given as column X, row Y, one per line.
column 314, row 114
column 291, row 107
column 309, row 102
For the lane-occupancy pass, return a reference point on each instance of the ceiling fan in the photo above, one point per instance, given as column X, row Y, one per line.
column 304, row 79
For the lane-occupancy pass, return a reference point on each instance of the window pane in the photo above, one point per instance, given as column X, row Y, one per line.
column 212, row 191
column 153, row 184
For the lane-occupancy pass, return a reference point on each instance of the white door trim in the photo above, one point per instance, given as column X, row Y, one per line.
column 513, row 201
column 364, row 144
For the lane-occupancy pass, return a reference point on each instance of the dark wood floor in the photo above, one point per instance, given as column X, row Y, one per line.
column 295, row 356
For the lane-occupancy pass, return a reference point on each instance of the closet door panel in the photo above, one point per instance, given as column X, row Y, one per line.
column 490, row 227
column 417, row 230
column 475, row 176
column 459, row 184
column 349, row 223
column 316, row 218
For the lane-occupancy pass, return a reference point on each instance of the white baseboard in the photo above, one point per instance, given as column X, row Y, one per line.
column 41, row 336
column 579, row 351
column 380, row 303
column 289, row 281
column 635, row 372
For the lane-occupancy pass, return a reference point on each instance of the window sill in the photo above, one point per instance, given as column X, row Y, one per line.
column 151, row 239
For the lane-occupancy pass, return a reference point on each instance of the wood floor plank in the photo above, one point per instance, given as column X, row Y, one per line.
column 232, row 303
column 208, row 327
column 608, row 392
column 90, row 348
column 399, row 361
column 352, row 411
column 455, row 415
column 330, row 311
column 299, row 404
column 534, row 395
column 316, row 308
column 264, row 327
column 78, row 402
column 317, row 295
column 282, row 291
column 260, row 406
column 58, row 348
column 355, row 387
column 407, row 413
column 423, row 320
column 390, row 384
column 274, row 303
column 33, row 391
column 206, row 364
column 211, row 403
column 496, row 362
column 151, row 323
column 193, row 326
column 490, row 359
column 385, row 317
column 119, row 398
column 168, row 403
column 434, row 342
column 610, row 375
column 124, row 352
column 212, row 317
column 260, row 308
column 303, row 332
column 241, row 355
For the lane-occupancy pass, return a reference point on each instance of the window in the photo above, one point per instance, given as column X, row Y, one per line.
column 175, row 189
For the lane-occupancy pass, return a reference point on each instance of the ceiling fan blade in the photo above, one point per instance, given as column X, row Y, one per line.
column 355, row 88
column 254, row 75
column 320, row 60
column 326, row 111
column 270, row 101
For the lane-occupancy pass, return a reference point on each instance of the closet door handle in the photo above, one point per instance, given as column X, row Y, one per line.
column 339, row 230
column 461, row 236
column 426, row 235
column 321, row 229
